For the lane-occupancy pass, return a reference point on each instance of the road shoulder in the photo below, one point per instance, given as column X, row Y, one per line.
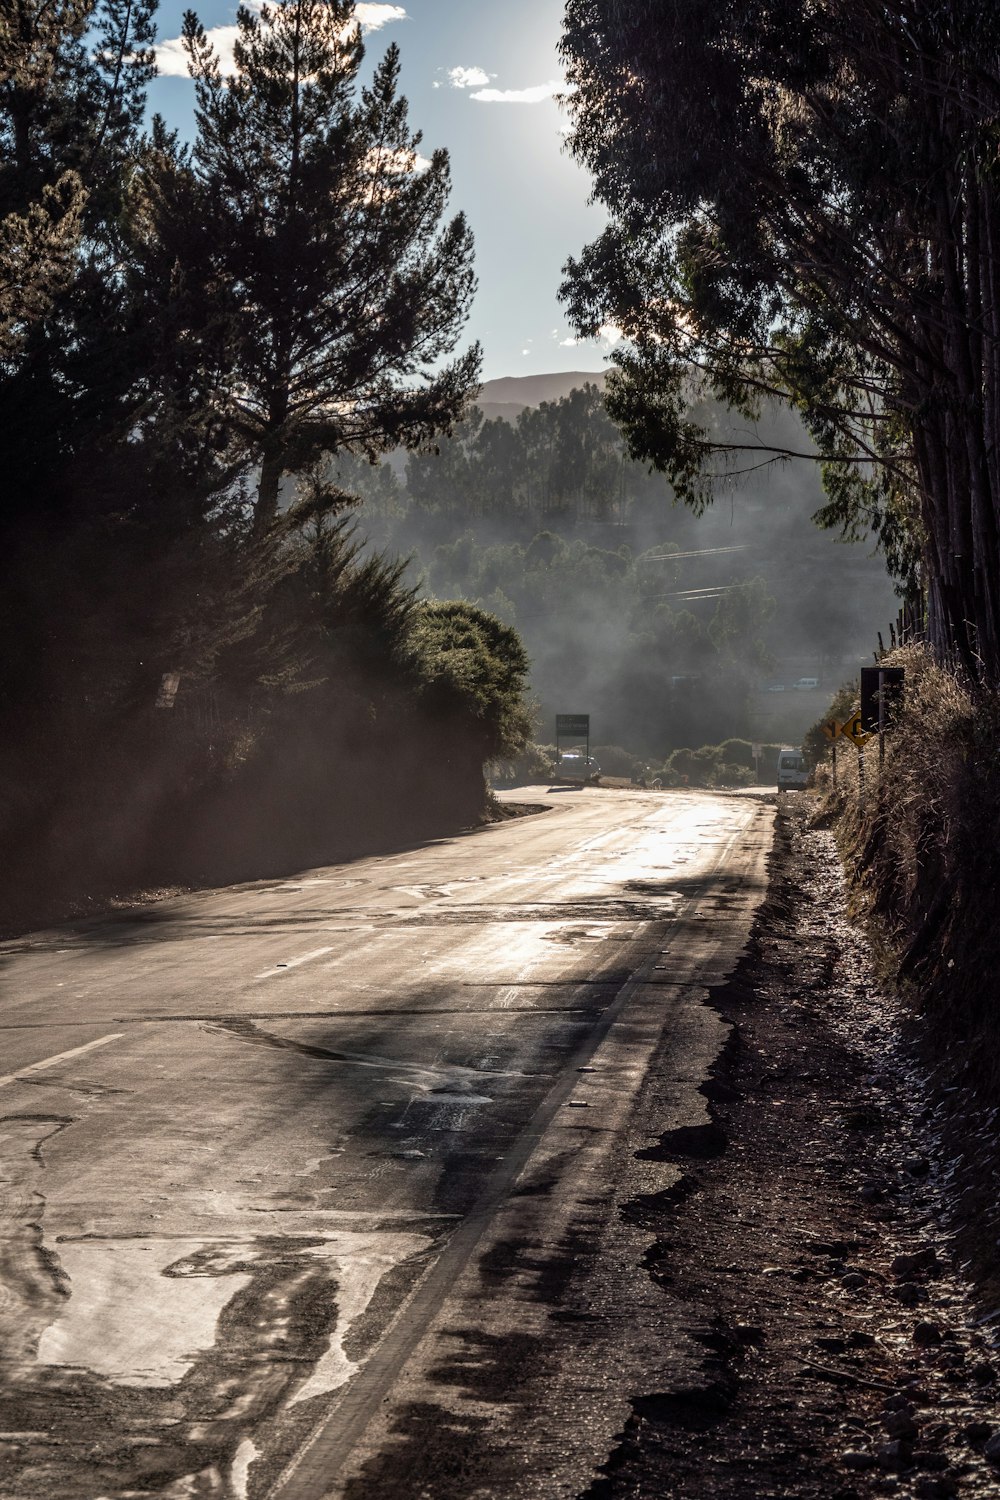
column 804, row 1237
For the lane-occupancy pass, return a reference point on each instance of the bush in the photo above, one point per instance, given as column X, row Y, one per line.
column 614, row 761
column 534, row 763
column 691, row 767
column 728, row 764
column 727, row 774
column 737, row 752
column 473, row 669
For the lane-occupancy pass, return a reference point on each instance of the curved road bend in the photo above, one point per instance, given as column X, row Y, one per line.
column 313, row 1188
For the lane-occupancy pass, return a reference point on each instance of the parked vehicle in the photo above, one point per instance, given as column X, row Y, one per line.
column 806, row 684
column 792, row 771
column 573, row 765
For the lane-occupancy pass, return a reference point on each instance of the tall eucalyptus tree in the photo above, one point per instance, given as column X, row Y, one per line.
column 805, row 200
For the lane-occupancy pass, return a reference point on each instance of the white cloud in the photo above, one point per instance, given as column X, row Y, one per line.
column 611, row 333
column 533, row 95
column 468, row 78
column 373, row 16
column 171, row 58
column 569, row 343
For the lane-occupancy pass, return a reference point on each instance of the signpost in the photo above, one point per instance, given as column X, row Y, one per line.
column 852, row 730
column 881, row 700
column 881, row 697
column 573, row 727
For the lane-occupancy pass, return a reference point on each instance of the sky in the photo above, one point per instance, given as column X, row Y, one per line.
column 480, row 79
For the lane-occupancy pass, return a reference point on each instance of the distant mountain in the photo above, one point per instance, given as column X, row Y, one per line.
column 509, row 395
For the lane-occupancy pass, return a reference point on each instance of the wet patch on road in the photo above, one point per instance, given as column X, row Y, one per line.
column 164, row 1365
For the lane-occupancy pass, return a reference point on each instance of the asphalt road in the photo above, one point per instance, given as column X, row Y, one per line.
column 333, row 1186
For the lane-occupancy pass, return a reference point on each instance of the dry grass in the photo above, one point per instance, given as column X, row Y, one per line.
column 922, row 844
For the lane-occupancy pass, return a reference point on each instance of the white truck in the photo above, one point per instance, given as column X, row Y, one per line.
column 792, row 770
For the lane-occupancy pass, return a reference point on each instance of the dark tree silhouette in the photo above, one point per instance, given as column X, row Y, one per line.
column 804, row 200
column 303, row 246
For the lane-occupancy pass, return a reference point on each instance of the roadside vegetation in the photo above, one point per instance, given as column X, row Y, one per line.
column 204, row 674
column 920, row 843
column 729, row 764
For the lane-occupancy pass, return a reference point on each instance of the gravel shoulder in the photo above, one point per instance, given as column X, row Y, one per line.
column 821, row 1240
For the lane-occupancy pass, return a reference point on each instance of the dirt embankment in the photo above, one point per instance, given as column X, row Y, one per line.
column 820, row 1233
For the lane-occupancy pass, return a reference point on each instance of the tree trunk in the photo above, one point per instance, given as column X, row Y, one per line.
column 266, row 508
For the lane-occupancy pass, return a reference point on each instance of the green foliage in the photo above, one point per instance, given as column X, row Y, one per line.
column 69, row 360
column 37, row 250
column 614, row 761
column 829, row 241
column 302, row 249
column 472, row 670
column 728, row 764
column 535, row 763
column 739, row 615
column 562, row 460
column 181, row 331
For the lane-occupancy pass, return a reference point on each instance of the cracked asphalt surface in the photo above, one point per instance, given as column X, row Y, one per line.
column 321, row 1187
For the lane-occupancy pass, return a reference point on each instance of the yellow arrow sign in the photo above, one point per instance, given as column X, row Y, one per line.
column 851, row 730
column 831, row 729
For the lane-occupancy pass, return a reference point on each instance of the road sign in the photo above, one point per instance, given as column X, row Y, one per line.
column 569, row 725
column 831, row 729
column 851, row 730
column 881, row 697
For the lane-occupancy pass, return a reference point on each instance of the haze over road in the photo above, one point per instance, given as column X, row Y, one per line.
column 327, row 1186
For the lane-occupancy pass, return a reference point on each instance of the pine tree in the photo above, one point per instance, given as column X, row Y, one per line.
column 70, row 113
column 303, row 246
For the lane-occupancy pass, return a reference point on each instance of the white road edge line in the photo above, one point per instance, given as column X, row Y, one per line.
column 292, row 963
column 50, row 1062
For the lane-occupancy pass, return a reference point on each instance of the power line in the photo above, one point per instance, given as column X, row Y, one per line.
column 712, row 593
column 702, row 552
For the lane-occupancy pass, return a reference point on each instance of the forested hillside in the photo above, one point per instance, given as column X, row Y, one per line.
column 195, row 683
column 670, row 626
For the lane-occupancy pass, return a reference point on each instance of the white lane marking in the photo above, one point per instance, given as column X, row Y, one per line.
column 292, row 963
column 50, row 1062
